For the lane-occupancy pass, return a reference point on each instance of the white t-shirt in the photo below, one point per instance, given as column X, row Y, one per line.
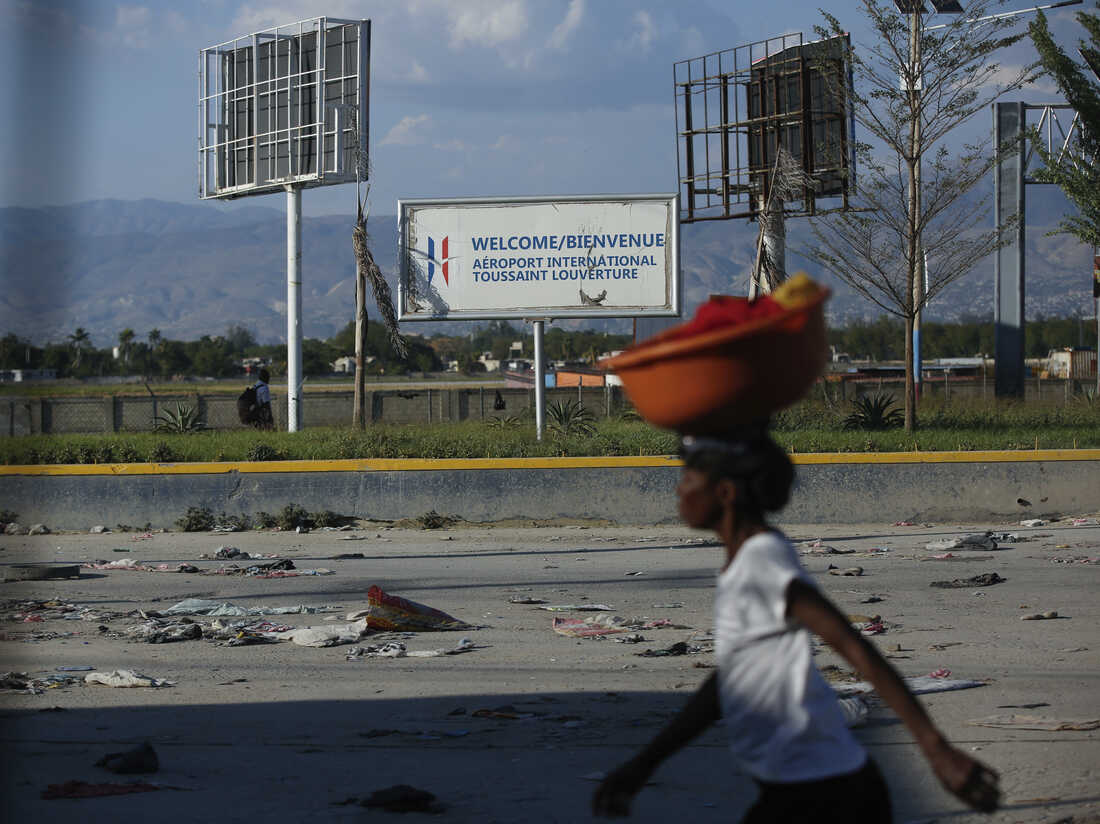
column 783, row 720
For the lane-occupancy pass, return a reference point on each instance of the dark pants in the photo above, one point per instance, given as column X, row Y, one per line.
column 857, row 798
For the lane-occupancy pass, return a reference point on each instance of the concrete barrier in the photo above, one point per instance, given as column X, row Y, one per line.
column 852, row 488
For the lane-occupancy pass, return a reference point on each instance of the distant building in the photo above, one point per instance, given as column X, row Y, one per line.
column 346, row 364
column 22, row 375
column 1078, row 363
column 490, row 363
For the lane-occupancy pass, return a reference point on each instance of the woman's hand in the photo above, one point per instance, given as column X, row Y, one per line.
column 969, row 779
column 613, row 796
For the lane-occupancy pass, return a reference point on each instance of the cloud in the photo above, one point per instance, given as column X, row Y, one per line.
column 487, row 22
column 452, row 145
column 417, row 74
column 133, row 26
column 645, row 31
column 507, row 143
column 407, row 132
column 567, row 26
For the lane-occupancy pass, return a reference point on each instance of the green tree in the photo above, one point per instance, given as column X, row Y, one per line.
column 1076, row 170
column 125, row 345
column 80, row 343
column 913, row 86
column 239, row 339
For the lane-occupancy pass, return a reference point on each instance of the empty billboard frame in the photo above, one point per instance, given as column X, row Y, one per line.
column 567, row 256
column 734, row 108
column 282, row 107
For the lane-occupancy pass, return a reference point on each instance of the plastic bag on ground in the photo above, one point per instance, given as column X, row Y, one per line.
column 125, row 678
column 326, row 636
column 395, row 614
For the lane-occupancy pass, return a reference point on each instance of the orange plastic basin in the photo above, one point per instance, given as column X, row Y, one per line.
column 707, row 383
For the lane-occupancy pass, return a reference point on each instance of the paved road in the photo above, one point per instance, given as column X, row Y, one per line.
column 280, row 733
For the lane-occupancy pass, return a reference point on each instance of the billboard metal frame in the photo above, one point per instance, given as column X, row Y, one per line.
column 748, row 99
column 284, row 107
column 406, row 264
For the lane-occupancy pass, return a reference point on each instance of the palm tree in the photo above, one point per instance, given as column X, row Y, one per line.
column 125, row 344
column 79, row 341
column 154, row 339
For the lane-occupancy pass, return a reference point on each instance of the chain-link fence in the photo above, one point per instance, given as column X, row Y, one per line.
column 134, row 413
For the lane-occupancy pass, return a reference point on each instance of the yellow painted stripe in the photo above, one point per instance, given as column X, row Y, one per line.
column 422, row 464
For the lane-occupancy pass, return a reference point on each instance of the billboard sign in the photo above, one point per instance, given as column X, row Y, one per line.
column 539, row 257
column 287, row 106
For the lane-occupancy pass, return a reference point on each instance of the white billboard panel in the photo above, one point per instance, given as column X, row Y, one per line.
column 539, row 257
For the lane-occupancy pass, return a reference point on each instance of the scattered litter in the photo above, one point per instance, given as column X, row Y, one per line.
column 629, row 574
column 348, row 556
column 354, row 538
column 818, row 548
column 22, row 682
column 1035, row 722
column 600, row 625
column 401, row 798
column 82, row 789
column 395, row 614
column 326, row 636
column 1040, row 616
column 199, row 606
column 578, row 608
column 1036, row 705
column 156, row 631
column 1009, row 538
column 38, row 529
column 850, row 571
column 981, row 540
column 854, row 709
column 396, row 649
column 673, row 605
column 871, row 599
column 868, row 624
column 917, row 685
column 1033, row 522
column 125, row 678
column 141, row 759
column 74, row 669
column 904, row 523
column 1075, row 522
column 940, row 673
column 986, row 579
column 631, row 638
column 1074, row 649
column 519, row 599
column 944, row 645
column 99, row 530
column 679, row 648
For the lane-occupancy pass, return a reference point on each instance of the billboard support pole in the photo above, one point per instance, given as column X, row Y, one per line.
column 293, row 307
column 540, row 380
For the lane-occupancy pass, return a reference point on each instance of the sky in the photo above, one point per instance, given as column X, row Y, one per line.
column 468, row 97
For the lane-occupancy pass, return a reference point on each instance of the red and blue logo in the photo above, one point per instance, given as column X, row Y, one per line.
column 443, row 261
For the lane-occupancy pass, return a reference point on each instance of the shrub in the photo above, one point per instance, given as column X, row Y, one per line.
column 181, row 419
column 433, row 520
column 264, row 452
column 292, row 517
column 197, row 519
column 162, row 453
column 570, row 418
column 874, row 412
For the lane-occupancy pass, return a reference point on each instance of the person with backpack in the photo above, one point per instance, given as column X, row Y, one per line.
column 254, row 403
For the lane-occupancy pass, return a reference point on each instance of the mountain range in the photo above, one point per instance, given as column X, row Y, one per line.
column 196, row 269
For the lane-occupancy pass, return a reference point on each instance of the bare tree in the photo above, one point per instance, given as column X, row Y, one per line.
column 366, row 270
column 913, row 86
